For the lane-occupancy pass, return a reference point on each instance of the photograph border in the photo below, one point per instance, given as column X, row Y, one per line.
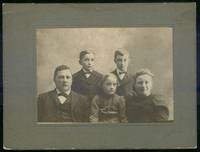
column 28, row 17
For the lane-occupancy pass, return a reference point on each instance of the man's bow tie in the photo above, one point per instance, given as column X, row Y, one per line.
column 63, row 94
column 123, row 72
column 88, row 72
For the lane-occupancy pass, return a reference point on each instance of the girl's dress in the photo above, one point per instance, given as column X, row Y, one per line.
column 108, row 108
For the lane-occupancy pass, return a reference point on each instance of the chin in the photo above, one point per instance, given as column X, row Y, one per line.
column 90, row 69
column 66, row 89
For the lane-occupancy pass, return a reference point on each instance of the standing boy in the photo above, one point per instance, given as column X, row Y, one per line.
column 125, row 80
column 87, row 80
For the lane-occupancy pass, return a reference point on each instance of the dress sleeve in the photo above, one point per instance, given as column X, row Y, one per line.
column 162, row 113
column 94, row 115
column 122, row 110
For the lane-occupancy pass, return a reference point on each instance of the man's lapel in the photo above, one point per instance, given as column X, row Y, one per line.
column 73, row 100
column 91, row 79
column 124, row 80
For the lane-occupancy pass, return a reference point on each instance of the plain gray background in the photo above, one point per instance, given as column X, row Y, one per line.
column 20, row 23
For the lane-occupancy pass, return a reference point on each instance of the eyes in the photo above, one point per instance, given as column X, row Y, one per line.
column 88, row 59
column 120, row 60
column 111, row 84
column 63, row 77
column 143, row 82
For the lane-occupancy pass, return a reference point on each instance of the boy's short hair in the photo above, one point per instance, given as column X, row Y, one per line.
column 121, row 52
column 84, row 52
column 143, row 72
column 60, row 68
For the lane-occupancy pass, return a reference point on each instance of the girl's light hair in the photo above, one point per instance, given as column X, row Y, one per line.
column 106, row 76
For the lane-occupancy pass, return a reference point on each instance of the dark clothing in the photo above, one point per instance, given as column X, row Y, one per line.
column 87, row 86
column 110, row 109
column 146, row 109
column 125, row 86
column 72, row 110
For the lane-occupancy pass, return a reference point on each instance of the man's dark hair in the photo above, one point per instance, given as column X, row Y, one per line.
column 60, row 68
column 121, row 52
column 83, row 53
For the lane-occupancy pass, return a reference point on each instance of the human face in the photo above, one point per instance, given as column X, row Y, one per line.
column 122, row 62
column 143, row 85
column 87, row 62
column 63, row 80
column 110, row 85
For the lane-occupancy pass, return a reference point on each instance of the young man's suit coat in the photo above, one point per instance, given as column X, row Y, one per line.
column 125, row 86
column 48, row 107
column 87, row 86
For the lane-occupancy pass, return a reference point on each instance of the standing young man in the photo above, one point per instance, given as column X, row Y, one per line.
column 125, row 80
column 87, row 80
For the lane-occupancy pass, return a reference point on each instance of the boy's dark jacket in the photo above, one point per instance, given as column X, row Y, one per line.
column 87, row 86
column 125, row 86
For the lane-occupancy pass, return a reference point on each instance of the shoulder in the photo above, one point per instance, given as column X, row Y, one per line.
column 130, row 76
column 158, row 100
column 77, row 74
column 46, row 94
column 75, row 94
column 97, row 74
column 118, row 98
column 96, row 97
column 114, row 72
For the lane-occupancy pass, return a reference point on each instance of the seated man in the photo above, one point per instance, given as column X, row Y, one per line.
column 62, row 104
column 145, row 106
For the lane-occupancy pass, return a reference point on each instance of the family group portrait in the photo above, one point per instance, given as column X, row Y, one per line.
column 105, row 75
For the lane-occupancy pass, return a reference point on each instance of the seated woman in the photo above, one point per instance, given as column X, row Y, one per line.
column 145, row 106
column 107, row 106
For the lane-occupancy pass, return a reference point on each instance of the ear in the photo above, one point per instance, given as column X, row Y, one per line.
column 115, row 60
column 80, row 62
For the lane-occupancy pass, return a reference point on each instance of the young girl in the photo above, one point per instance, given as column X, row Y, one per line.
column 108, row 106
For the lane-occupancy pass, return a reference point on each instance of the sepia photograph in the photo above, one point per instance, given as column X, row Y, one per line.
column 105, row 75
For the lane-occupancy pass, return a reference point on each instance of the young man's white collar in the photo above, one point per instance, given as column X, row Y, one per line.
column 86, row 73
column 121, row 76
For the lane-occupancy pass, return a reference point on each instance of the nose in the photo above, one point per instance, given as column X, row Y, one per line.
column 65, row 79
column 90, row 62
column 143, row 85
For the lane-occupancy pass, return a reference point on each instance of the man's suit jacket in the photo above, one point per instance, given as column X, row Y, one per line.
column 48, row 107
column 125, row 86
column 87, row 86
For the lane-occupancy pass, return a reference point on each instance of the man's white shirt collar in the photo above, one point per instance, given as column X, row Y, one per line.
column 62, row 99
column 87, row 75
column 121, row 76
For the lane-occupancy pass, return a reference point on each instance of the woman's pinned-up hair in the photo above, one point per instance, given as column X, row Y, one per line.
column 144, row 71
